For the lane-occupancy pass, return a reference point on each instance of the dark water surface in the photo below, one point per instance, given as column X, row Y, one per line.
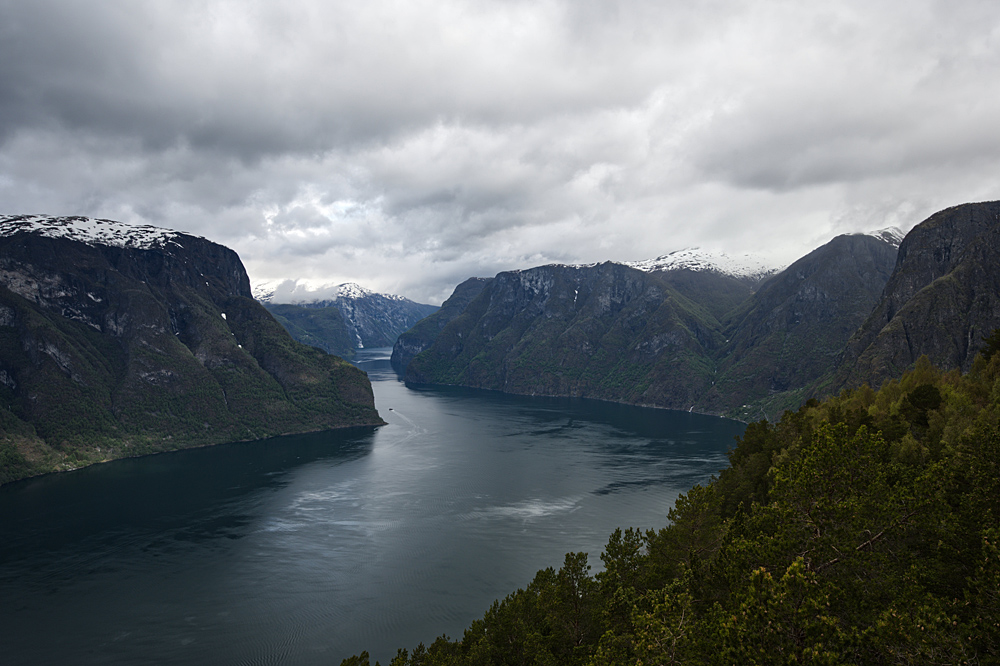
column 306, row 549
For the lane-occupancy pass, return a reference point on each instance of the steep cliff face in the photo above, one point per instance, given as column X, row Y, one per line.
column 423, row 334
column 605, row 331
column 942, row 299
column 118, row 340
column 791, row 332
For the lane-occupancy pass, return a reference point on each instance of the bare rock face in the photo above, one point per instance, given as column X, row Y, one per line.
column 118, row 340
column 942, row 299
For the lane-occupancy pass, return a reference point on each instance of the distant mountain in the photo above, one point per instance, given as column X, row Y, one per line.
column 345, row 317
column 686, row 331
column 942, row 299
column 748, row 268
column 423, row 333
column 118, row 340
column 716, row 281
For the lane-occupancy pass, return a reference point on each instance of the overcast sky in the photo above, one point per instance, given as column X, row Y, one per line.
column 409, row 145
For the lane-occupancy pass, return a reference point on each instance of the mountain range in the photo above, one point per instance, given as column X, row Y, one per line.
column 119, row 340
column 727, row 337
column 340, row 319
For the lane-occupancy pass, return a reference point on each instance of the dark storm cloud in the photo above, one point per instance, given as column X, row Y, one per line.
column 407, row 146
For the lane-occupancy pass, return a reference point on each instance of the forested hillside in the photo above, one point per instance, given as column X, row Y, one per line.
column 863, row 529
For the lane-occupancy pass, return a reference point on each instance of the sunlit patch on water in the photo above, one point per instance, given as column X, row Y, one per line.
column 530, row 509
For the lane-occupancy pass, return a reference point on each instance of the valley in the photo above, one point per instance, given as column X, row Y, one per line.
column 122, row 341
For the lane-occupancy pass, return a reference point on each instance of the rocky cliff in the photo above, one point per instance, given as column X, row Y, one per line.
column 942, row 299
column 117, row 340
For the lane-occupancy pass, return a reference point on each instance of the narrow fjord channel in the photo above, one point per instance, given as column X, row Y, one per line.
column 306, row 549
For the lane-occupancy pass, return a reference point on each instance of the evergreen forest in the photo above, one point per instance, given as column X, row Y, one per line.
column 864, row 529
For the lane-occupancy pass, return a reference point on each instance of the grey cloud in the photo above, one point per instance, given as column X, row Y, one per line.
column 852, row 104
column 407, row 146
column 262, row 79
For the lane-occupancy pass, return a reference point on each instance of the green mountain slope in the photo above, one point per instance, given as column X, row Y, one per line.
column 718, row 293
column 423, row 333
column 606, row 331
column 317, row 327
column 790, row 333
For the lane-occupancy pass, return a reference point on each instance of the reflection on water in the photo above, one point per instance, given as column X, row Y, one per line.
column 306, row 549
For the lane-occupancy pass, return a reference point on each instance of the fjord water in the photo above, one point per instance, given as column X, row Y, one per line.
column 306, row 549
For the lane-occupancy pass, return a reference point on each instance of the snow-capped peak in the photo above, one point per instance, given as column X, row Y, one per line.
column 91, row 231
column 891, row 235
column 352, row 290
column 300, row 292
column 744, row 266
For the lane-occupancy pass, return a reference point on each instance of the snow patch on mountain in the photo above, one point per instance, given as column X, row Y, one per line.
column 891, row 235
column 92, row 231
column 263, row 291
column 355, row 290
column 743, row 266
